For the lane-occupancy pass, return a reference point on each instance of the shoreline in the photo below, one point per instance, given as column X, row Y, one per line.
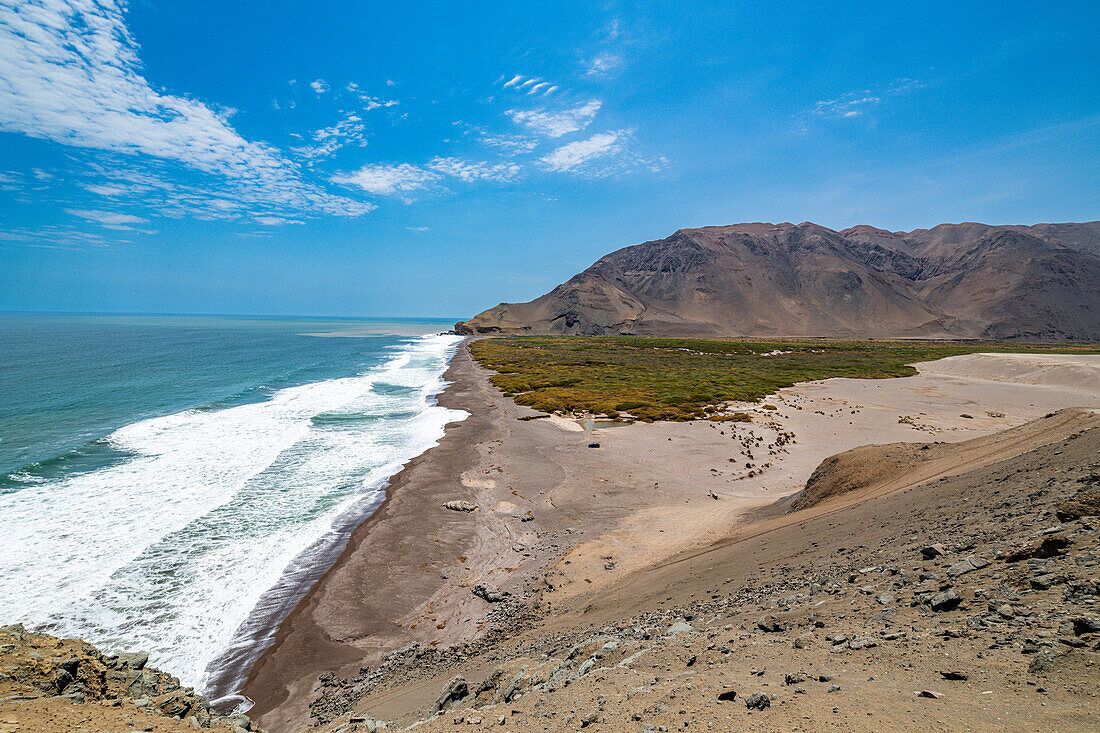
column 270, row 679
column 650, row 492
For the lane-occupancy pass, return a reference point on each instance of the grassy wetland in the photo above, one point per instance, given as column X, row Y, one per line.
column 684, row 379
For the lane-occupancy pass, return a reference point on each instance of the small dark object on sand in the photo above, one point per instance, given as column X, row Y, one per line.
column 593, row 445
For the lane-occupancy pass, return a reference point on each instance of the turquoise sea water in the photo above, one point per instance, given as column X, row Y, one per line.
column 172, row 483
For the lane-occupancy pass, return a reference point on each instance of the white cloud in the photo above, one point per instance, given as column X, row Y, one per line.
column 530, row 85
column 418, row 230
column 604, row 63
column 108, row 190
column 571, row 156
column 368, row 101
column 475, row 171
column 510, row 144
column 319, row 86
column 349, row 131
column 72, row 75
column 106, row 217
column 275, row 221
column 387, row 179
column 854, row 104
column 557, row 123
column 54, row 237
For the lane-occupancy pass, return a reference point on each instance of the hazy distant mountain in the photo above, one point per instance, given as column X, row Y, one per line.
column 955, row 280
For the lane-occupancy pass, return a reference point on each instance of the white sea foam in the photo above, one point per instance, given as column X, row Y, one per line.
column 169, row 551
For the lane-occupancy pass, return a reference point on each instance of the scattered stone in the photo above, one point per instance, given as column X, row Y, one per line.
column 758, row 701
column 1048, row 547
column 452, row 692
column 947, row 600
column 727, row 696
column 489, row 593
column 966, row 565
column 679, row 628
column 955, row 675
column 930, row 694
column 771, row 625
column 1085, row 504
column 931, row 552
column 1085, row 625
column 593, row 445
column 1044, row 661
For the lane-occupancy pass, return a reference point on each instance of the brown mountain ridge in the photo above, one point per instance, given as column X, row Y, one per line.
column 967, row 280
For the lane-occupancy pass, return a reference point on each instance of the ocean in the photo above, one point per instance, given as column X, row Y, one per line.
column 173, row 484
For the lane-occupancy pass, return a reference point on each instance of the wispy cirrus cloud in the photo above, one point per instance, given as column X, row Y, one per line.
column 55, row 236
column 856, row 103
column 603, row 63
column 107, row 217
column 72, row 75
column 556, row 123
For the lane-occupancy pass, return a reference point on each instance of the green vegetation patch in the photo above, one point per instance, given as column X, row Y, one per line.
column 677, row 379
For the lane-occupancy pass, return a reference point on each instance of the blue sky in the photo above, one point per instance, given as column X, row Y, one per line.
column 433, row 159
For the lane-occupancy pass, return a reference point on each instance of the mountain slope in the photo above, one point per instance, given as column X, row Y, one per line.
column 955, row 280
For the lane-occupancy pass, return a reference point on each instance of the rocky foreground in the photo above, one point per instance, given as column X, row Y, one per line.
column 51, row 685
column 971, row 602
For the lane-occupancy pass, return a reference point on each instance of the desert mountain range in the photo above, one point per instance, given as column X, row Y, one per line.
column 967, row 280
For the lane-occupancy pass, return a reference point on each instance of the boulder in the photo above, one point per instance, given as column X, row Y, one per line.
column 758, row 701
column 1085, row 504
column 452, row 692
column 1086, row 625
column 931, row 552
column 1047, row 547
column 947, row 600
column 489, row 593
column 966, row 565
column 460, row 505
column 771, row 624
